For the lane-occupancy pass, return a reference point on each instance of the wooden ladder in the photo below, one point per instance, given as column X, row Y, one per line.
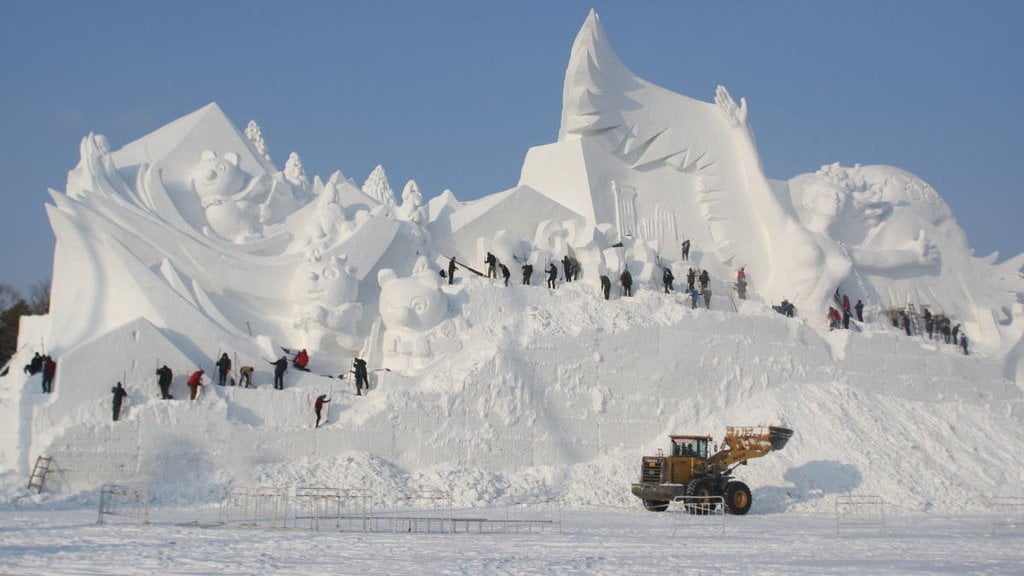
column 39, row 471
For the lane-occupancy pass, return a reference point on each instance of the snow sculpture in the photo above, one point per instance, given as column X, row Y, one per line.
column 858, row 212
column 409, row 308
column 232, row 210
column 378, row 187
column 295, row 173
column 255, row 135
column 904, row 246
column 329, row 224
column 507, row 247
column 412, row 209
column 325, row 293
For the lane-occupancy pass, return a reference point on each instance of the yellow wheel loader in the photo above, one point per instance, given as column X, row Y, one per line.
column 691, row 471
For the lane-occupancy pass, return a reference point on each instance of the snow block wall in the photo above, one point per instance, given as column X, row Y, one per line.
column 190, row 243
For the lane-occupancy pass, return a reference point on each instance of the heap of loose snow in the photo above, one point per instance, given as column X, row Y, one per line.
column 556, row 395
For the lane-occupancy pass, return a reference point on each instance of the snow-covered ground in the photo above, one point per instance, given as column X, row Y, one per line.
column 45, row 540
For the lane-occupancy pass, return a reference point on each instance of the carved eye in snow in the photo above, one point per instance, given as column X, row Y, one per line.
column 419, row 304
column 331, row 273
column 222, row 168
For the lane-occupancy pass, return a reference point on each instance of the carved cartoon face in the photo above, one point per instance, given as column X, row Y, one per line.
column 326, row 282
column 411, row 304
column 217, row 176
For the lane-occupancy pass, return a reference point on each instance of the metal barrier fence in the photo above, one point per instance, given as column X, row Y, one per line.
column 423, row 512
column 345, row 509
column 699, row 513
column 352, row 510
column 1006, row 513
column 533, row 517
column 265, row 506
column 124, row 501
column 860, row 512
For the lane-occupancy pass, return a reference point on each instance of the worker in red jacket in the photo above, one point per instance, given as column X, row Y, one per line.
column 833, row 318
column 194, row 382
column 301, row 359
column 319, row 405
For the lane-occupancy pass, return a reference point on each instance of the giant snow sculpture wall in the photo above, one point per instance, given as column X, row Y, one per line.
column 189, row 242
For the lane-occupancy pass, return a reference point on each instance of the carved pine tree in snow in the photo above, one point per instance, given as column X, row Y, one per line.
column 253, row 133
column 378, row 187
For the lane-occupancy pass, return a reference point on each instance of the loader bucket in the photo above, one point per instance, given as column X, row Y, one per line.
column 778, row 436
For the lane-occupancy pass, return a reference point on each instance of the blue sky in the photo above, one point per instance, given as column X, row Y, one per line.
column 451, row 94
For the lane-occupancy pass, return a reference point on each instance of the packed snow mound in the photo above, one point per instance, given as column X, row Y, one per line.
column 556, row 394
column 189, row 243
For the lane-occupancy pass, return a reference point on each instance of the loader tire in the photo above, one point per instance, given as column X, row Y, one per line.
column 656, row 505
column 737, row 498
column 700, row 488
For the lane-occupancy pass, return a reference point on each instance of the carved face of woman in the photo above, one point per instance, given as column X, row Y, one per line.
column 824, row 200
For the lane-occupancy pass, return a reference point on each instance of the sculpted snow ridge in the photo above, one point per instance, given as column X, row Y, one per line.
column 190, row 242
column 873, row 230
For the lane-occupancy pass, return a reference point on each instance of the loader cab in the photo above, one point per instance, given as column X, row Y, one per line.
column 690, row 446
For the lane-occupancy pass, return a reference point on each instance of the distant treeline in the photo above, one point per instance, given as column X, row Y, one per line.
column 12, row 307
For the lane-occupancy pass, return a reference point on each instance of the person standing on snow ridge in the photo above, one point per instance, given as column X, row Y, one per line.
column 686, row 250
column 859, row 307
column 846, row 303
column 667, row 278
column 691, row 277
column 567, row 267
column 194, row 382
column 279, row 367
column 165, row 376
column 694, row 298
column 451, row 270
column 527, row 272
column 49, row 371
column 223, row 367
column 626, row 279
column 833, row 318
column 606, row 286
column 491, row 261
column 504, row 272
column 552, row 274
column 318, row 406
column 707, row 298
column 119, row 393
column 704, row 280
column 362, row 378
